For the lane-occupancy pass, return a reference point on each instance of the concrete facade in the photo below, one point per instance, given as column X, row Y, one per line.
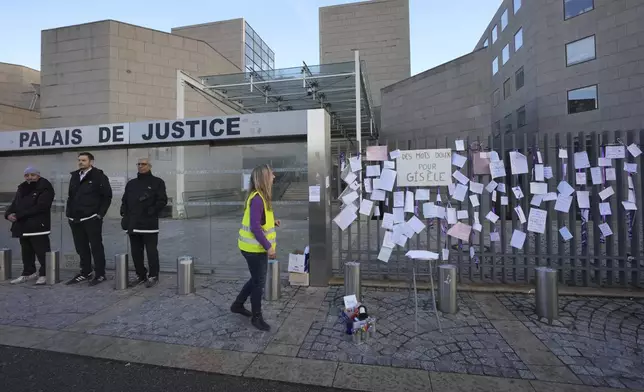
column 379, row 29
column 16, row 85
column 446, row 100
column 13, row 118
column 226, row 37
column 108, row 71
column 617, row 70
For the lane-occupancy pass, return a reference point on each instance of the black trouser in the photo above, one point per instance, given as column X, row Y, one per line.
column 258, row 266
column 32, row 247
column 149, row 242
column 88, row 240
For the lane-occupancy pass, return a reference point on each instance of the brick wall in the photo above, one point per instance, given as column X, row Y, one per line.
column 379, row 29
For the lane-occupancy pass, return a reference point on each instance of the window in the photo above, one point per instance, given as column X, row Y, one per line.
column 506, row 53
column 517, row 5
column 504, row 20
column 495, row 33
column 580, row 51
column 521, row 121
column 574, row 8
column 507, row 88
column 497, row 128
column 519, row 78
column 486, row 43
column 507, row 123
column 496, row 97
column 582, row 100
column 495, row 66
column 518, row 39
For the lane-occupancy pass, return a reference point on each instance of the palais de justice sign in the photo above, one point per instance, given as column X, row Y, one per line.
column 424, row 168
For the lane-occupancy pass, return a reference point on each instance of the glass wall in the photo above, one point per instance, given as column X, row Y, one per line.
column 258, row 56
column 206, row 199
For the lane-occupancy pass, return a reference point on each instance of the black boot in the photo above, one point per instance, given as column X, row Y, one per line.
column 259, row 323
column 239, row 308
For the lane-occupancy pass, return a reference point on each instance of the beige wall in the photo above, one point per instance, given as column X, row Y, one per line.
column 14, row 118
column 379, row 29
column 109, row 71
column 15, row 85
column 225, row 37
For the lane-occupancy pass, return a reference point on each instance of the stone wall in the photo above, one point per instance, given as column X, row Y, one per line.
column 15, row 118
column 16, row 85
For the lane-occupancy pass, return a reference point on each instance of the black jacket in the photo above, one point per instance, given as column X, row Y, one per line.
column 32, row 206
column 91, row 196
column 143, row 200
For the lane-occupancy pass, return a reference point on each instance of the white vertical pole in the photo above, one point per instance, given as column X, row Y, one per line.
column 180, row 159
column 358, row 114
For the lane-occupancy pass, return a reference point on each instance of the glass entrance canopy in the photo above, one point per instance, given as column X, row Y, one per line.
column 328, row 86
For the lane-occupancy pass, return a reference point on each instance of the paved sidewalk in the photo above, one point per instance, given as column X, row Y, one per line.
column 494, row 343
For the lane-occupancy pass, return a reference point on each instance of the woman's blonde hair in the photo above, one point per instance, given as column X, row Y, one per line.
column 259, row 182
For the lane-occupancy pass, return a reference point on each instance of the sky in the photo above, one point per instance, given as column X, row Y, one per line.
column 441, row 30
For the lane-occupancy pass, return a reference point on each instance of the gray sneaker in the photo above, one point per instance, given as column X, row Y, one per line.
column 151, row 282
column 41, row 281
column 24, row 278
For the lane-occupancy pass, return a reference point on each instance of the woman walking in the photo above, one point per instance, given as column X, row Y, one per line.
column 257, row 243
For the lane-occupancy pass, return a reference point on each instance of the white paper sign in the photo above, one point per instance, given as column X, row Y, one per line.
column 314, row 193
column 518, row 163
column 605, row 229
column 611, row 174
column 565, row 233
column 389, row 165
column 492, row 217
column 366, row 206
column 537, row 220
column 373, row 171
column 384, row 254
column 635, row 151
column 547, row 172
column 539, row 172
column 460, row 192
column 425, row 167
column 583, row 200
column 118, row 185
column 604, row 209
column 606, row 193
column 416, row 224
column 565, row 189
column 615, row 152
column 474, row 199
column 460, row 177
column 460, row 145
column 581, row 160
column 596, row 175
column 538, row 188
column 491, row 186
column 476, row 187
column 458, row 160
column 563, row 203
column 422, row 194
column 518, row 239
column 399, row 199
column 563, row 153
column 497, row 169
column 387, row 179
column 409, row 202
column 580, row 178
column 520, row 214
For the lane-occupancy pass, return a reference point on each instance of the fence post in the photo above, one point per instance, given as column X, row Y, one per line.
column 52, row 263
column 5, row 264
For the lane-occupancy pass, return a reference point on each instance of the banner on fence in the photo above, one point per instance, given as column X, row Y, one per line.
column 425, row 167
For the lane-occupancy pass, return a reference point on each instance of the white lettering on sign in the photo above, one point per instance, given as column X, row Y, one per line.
column 93, row 135
column 425, row 167
column 118, row 185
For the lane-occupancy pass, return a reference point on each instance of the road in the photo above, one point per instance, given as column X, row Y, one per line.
column 28, row 370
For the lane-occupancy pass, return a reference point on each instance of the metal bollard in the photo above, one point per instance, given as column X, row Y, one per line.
column 52, row 266
column 547, row 293
column 273, row 284
column 352, row 279
column 5, row 264
column 121, row 271
column 447, row 288
column 185, row 275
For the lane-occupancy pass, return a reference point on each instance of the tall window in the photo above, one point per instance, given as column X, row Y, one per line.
column 496, row 97
column 495, row 33
column 506, row 53
column 519, row 79
column 582, row 99
column 521, row 120
column 507, row 123
column 497, row 128
column 580, row 51
column 517, row 5
column 518, row 39
column 507, row 88
column 495, row 66
column 504, row 20
column 574, row 8
column 486, row 43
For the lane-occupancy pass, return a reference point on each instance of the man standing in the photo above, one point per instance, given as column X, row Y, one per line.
column 143, row 200
column 89, row 198
column 30, row 214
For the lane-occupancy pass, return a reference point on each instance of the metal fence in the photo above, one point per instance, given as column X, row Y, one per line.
column 587, row 259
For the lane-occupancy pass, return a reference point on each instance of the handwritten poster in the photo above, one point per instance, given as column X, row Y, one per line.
column 425, row 167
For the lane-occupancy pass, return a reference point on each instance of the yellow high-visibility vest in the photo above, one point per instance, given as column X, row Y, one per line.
column 247, row 241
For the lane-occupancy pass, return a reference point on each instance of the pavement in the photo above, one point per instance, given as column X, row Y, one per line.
column 495, row 342
column 29, row 370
